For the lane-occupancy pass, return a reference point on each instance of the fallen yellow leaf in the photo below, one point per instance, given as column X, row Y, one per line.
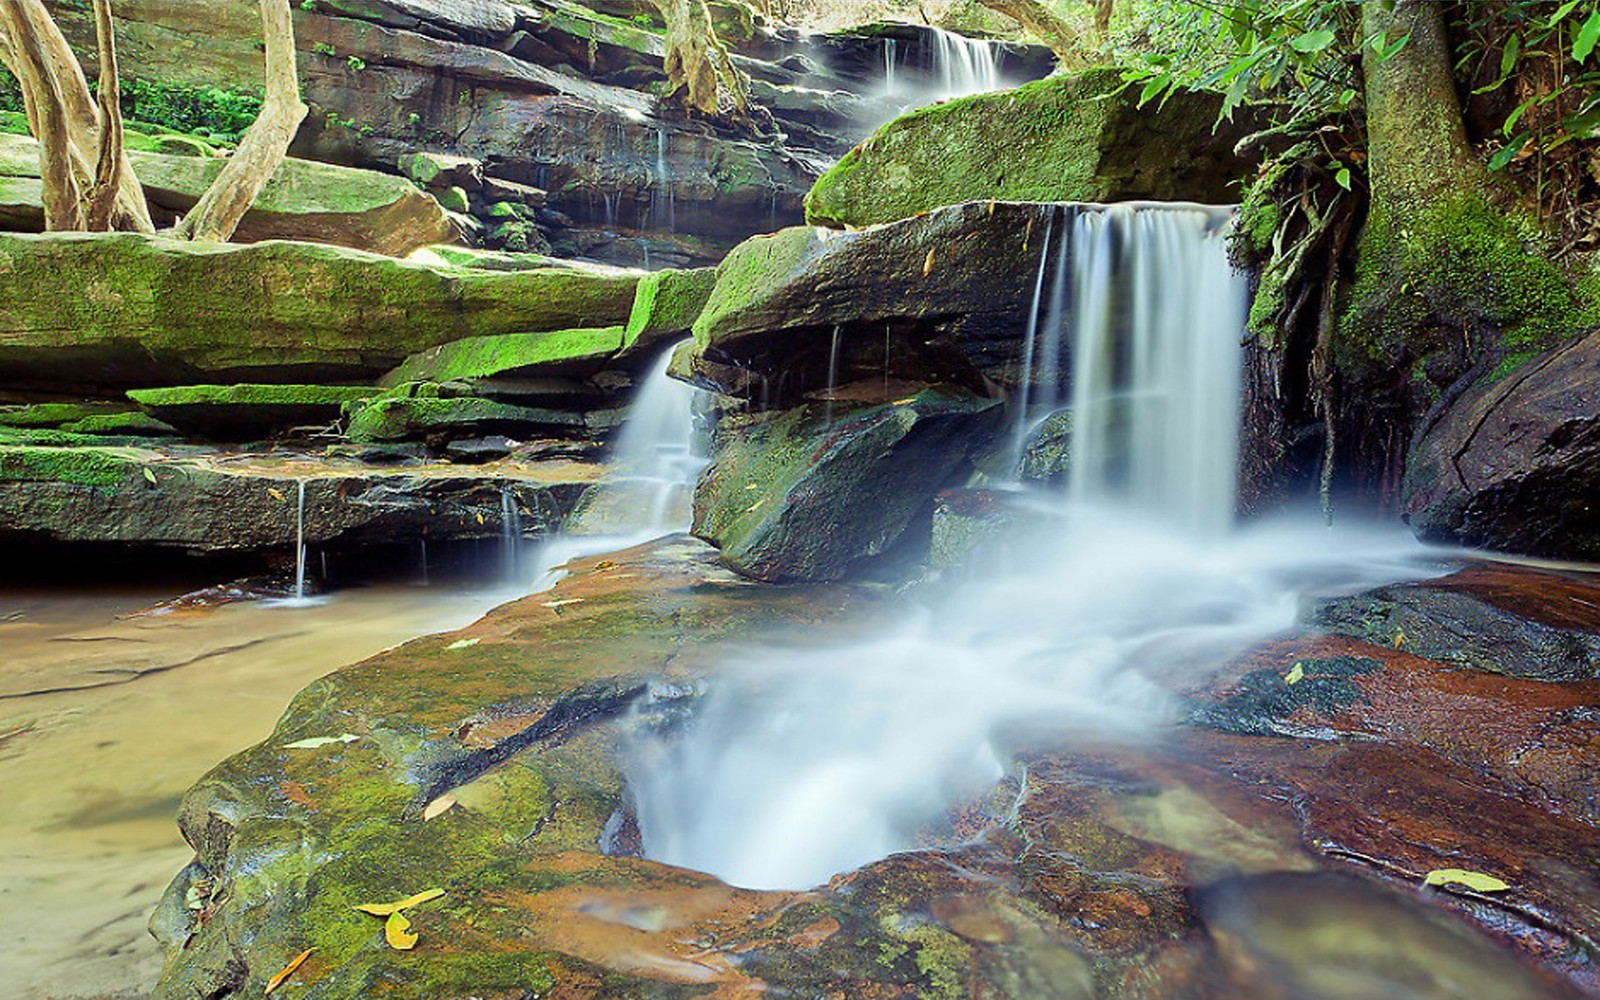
column 288, row 970
column 385, row 909
column 480, row 517
column 150, row 477
column 464, row 643
column 442, row 804
column 1295, row 675
column 604, row 565
column 1476, row 881
column 927, row 265
column 312, row 742
column 274, row 494
column 397, row 931
column 1399, row 639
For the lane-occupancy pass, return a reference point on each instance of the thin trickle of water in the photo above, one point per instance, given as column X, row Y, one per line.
column 833, row 374
column 300, row 541
column 891, row 59
column 664, row 210
column 1030, row 341
column 816, row 762
column 510, row 533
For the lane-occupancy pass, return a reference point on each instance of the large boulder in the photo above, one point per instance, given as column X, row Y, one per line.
column 1514, row 462
column 117, row 311
column 818, row 491
column 945, row 295
column 1065, row 138
column 304, row 200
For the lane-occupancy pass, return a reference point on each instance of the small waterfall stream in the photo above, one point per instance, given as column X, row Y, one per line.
column 796, row 765
column 953, row 66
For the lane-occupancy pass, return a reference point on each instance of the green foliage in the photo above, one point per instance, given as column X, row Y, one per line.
column 214, row 112
column 1553, row 46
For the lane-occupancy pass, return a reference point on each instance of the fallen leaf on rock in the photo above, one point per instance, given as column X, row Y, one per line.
column 1399, row 639
column 312, row 742
column 927, row 265
column 1477, row 881
column 442, row 804
column 604, row 565
column 464, row 643
column 385, row 909
column 561, row 604
column 905, row 402
column 288, row 970
column 397, row 931
column 274, row 494
column 1295, row 675
column 480, row 517
column 150, row 477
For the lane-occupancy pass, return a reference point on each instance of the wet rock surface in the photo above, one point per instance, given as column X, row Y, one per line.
column 1514, row 463
column 1274, row 846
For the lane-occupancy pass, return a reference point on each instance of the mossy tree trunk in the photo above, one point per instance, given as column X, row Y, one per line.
column 1449, row 269
column 1043, row 24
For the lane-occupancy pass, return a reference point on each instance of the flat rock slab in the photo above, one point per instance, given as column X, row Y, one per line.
column 119, row 310
column 211, row 501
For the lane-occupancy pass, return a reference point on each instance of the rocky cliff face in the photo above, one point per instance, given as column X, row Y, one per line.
column 553, row 102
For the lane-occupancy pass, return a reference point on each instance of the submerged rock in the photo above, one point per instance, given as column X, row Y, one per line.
column 1066, row 138
column 1514, row 463
column 117, row 311
column 803, row 494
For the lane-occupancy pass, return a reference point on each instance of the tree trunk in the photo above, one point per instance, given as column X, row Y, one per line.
column 1042, row 23
column 61, row 110
column 264, row 146
column 108, row 163
column 698, row 65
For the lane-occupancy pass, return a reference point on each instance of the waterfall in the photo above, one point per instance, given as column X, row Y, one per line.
column 510, row 533
column 300, row 540
column 663, row 209
column 965, row 66
column 646, row 494
column 825, row 759
column 833, row 374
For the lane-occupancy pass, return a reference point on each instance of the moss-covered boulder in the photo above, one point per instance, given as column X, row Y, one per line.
column 119, row 311
column 244, row 412
column 667, row 305
column 1065, row 138
column 819, row 491
column 943, row 296
column 556, row 352
column 204, row 501
column 304, row 200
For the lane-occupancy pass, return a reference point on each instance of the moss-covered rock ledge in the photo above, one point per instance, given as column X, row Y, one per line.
column 1066, row 138
column 116, row 311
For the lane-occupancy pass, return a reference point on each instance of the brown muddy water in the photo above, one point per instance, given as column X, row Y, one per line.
column 108, row 714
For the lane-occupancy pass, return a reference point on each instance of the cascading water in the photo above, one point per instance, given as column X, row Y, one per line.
column 954, row 66
column 510, row 533
column 300, row 541
column 646, row 494
column 794, row 766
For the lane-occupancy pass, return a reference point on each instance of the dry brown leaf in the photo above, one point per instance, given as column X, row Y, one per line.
column 385, row 909
column 288, row 970
column 274, row 494
column 442, row 804
column 397, row 931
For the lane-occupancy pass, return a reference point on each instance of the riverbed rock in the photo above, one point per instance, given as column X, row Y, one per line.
column 818, row 491
column 427, row 411
column 304, row 200
column 1514, row 462
column 207, row 501
column 580, row 352
column 116, row 311
column 1080, row 137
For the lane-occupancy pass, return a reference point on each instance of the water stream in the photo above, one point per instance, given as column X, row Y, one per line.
column 800, row 765
column 953, row 66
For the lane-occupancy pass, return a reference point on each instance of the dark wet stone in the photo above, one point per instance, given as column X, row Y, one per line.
column 1266, row 702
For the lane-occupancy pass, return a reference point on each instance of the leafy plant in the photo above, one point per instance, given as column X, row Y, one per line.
column 215, row 111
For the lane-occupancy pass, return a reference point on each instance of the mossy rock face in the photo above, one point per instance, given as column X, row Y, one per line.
column 152, row 495
column 557, row 352
column 1065, row 138
column 56, row 414
column 408, row 415
column 950, row 291
column 1513, row 463
column 818, row 492
column 126, row 311
column 245, row 412
column 304, row 200
column 667, row 305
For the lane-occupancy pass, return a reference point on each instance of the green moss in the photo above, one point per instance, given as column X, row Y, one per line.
column 668, row 302
column 54, row 414
column 1447, row 267
column 80, row 466
column 944, row 960
column 520, row 353
column 250, row 395
column 128, row 424
column 750, row 269
column 414, row 414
